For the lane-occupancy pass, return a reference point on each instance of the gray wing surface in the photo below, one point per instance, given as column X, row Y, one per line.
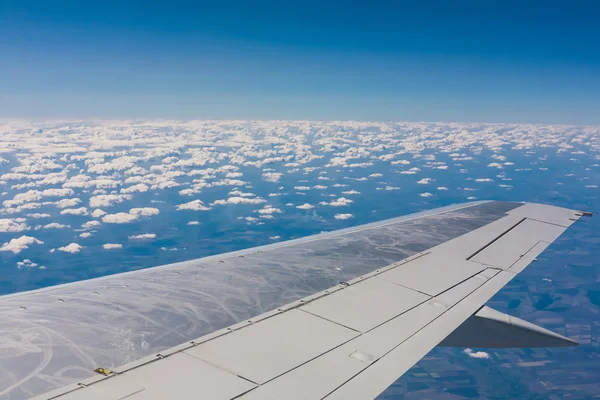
column 339, row 315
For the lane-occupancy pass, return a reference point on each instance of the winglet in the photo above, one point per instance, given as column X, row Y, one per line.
column 489, row 328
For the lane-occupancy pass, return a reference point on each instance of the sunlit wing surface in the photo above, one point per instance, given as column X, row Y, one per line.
column 339, row 315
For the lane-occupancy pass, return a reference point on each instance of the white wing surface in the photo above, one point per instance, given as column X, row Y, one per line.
column 340, row 315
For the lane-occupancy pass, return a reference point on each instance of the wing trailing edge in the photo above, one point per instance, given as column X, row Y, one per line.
column 488, row 328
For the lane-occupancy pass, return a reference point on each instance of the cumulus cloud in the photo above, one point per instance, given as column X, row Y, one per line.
column 74, row 211
column 193, row 223
column 426, row 194
column 55, row 225
column 343, row 216
column 272, row 176
column 107, row 200
column 495, row 165
column 342, row 201
column 58, row 192
column 143, row 236
column 351, row 192
column 111, row 246
column 239, row 200
column 269, row 210
column 425, row 181
column 66, row 203
column 19, row 244
column 133, row 215
column 196, row 205
column 484, row 180
column 27, row 263
column 305, row 206
column 72, row 248
column 476, row 354
column 13, row 225
column 97, row 213
column 85, row 235
column 442, row 188
column 139, row 188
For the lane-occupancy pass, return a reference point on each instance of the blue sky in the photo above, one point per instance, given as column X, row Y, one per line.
column 427, row 60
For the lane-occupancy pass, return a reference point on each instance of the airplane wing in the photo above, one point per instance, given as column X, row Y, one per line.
column 339, row 315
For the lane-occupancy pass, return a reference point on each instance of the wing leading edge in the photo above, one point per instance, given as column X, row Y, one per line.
column 352, row 340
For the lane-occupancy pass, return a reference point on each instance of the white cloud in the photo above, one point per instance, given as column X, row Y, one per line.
column 305, row 206
column 425, row 181
column 72, row 248
column 196, row 205
column 119, row 218
column 55, row 225
column 442, row 188
column 343, row 216
column 39, row 215
column 65, row 203
column 269, row 210
column 107, row 200
column 193, row 223
column 19, row 244
column 350, row 192
column 274, row 237
column 112, row 246
column 342, row 201
column 143, row 236
column 74, row 211
column 272, row 176
column 13, row 225
column 476, row 354
column 27, row 263
column 426, row 194
column 133, row 215
column 484, row 180
column 22, row 198
column 144, row 211
column 495, row 165
column 392, row 188
column 302, row 188
column 90, row 225
column 139, row 188
column 58, row 192
column 239, row 200
column 85, row 235
column 97, row 213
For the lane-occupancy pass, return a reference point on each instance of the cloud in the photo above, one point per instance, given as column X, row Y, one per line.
column 272, row 176
column 19, row 244
column 139, row 188
column 274, row 237
column 426, row 194
column 85, row 235
column 133, row 215
column 484, row 180
column 55, row 225
column 27, row 263
column 13, row 225
column 58, row 192
column 107, row 200
column 22, row 198
column 119, row 218
column 143, row 236
column 90, row 225
column 476, row 354
column 305, row 206
column 97, row 213
column 341, row 202
column 442, row 188
column 74, row 211
column 269, row 210
column 66, row 203
column 193, row 223
column 425, row 181
column 144, row 211
column 72, row 248
column 239, row 200
column 196, row 205
column 495, row 165
column 112, row 246
column 350, row 192
column 343, row 216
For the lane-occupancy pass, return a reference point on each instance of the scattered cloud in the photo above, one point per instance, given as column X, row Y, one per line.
column 19, row 244
column 476, row 354
column 343, row 216
column 72, row 248
column 111, row 246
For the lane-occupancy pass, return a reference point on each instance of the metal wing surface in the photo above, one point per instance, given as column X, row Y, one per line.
column 339, row 315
